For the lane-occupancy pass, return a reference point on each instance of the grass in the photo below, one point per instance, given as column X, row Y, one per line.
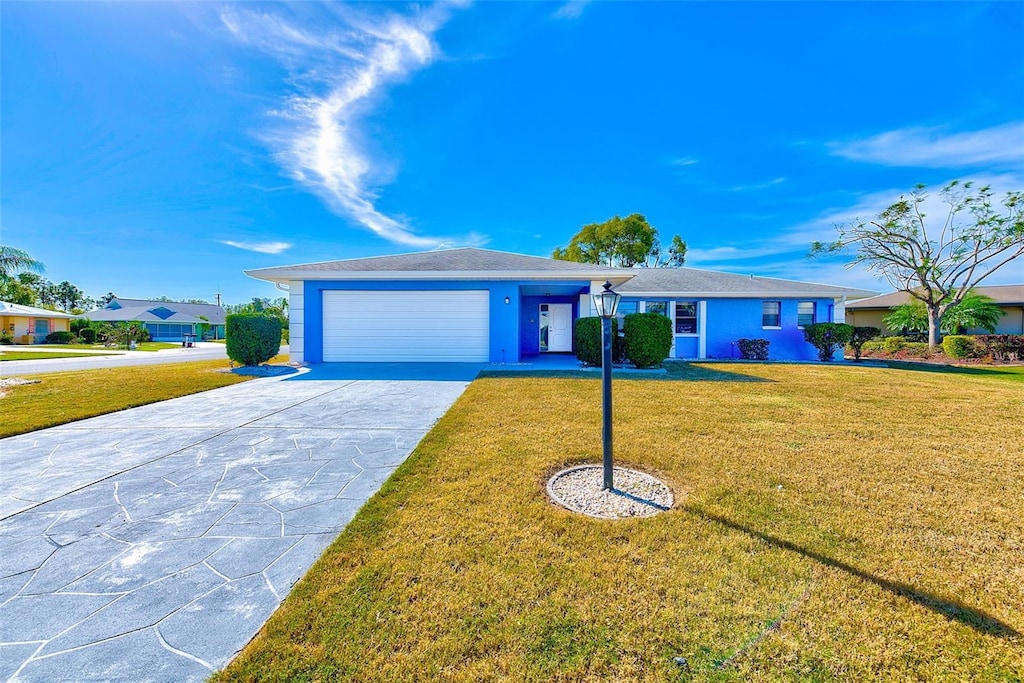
column 832, row 523
column 40, row 355
column 63, row 397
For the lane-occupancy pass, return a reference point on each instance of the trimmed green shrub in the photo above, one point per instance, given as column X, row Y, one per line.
column 914, row 350
column 873, row 346
column 958, row 346
column 252, row 339
column 60, row 337
column 648, row 338
column 587, row 339
column 860, row 336
column 5, row 338
column 827, row 337
column 893, row 344
column 753, row 349
column 87, row 335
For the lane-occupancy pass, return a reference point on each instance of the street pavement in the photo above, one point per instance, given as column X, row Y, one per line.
column 202, row 351
column 151, row 544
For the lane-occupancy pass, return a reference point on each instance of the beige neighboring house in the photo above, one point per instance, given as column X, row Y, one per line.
column 30, row 325
column 1010, row 298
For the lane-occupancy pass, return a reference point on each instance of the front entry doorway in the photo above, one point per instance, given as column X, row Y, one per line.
column 555, row 328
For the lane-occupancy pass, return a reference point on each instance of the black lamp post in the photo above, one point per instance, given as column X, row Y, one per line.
column 607, row 303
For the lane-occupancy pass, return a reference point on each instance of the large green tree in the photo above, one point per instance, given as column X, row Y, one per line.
column 937, row 262
column 622, row 242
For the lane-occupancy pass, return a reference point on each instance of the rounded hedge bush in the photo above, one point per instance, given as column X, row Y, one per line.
column 587, row 339
column 87, row 335
column 827, row 337
column 60, row 337
column 648, row 338
column 753, row 349
column 959, row 346
column 252, row 339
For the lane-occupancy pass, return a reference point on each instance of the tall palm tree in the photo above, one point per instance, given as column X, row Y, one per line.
column 13, row 261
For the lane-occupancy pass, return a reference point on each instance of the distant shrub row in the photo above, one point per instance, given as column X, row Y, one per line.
column 998, row 347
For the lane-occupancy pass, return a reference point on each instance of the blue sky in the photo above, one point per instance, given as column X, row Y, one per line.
column 158, row 149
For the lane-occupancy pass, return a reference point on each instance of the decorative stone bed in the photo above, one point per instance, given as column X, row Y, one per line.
column 636, row 494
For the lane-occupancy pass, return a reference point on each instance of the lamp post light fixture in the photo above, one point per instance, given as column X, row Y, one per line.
column 607, row 303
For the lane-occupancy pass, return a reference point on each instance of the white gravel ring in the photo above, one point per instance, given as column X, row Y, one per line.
column 636, row 494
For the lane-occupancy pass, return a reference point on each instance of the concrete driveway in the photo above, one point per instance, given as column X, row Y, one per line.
column 152, row 544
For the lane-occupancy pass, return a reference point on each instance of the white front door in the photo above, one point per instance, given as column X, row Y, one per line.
column 556, row 327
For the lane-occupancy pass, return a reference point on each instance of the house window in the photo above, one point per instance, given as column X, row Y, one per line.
column 686, row 317
column 625, row 308
column 544, row 326
column 657, row 307
column 805, row 313
column 771, row 314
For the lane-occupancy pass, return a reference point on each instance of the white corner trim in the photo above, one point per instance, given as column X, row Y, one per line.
column 702, row 329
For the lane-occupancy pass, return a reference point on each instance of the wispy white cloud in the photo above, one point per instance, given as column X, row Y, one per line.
column 339, row 74
column 573, row 9
column 758, row 186
column 683, row 161
column 938, row 148
column 261, row 247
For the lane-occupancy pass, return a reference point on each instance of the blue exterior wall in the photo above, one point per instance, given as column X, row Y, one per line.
column 728, row 320
column 505, row 323
column 529, row 319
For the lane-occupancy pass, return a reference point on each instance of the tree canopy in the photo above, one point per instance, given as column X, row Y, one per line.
column 13, row 261
column 939, row 261
column 974, row 310
column 622, row 242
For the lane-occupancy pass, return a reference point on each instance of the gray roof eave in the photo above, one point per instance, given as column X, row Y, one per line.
column 792, row 294
column 615, row 276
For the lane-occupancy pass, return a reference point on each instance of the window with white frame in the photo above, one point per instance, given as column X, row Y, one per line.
column 686, row 317
column 657, row 307
column 805, row 313
column 771, row 314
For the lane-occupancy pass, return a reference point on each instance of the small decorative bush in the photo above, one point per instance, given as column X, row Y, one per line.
column 60, row 337
column 860, row 336
column 753, row 349
column 914, row 350
column 1001, row 347
column 5, row 338
column 893, row 344
column 958, row 346
column 827, row 337
column 648, row 338
column 87, row 335
column 252, row 339
column 873, row 346
column 587, row 339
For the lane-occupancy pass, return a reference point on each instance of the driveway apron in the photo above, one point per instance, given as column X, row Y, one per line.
column 152, row 543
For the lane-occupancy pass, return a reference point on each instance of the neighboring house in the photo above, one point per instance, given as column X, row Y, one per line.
column 167, row 321
column 30, row 325
column 1010, row 298
column 477, row 305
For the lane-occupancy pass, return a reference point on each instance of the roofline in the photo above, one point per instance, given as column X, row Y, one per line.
column 615, row 276
column 806, row 294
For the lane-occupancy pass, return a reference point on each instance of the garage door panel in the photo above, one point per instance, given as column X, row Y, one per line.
column 414, row 326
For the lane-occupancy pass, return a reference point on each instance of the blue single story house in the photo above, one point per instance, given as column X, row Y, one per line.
column 166, row 321
column 478, row 305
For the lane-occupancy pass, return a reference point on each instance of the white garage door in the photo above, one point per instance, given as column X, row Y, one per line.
column 445, row 326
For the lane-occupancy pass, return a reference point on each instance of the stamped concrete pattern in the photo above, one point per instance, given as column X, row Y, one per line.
column 151, row 544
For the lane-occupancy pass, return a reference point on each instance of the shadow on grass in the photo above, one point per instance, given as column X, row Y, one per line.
column 950, row 609
column 674, row 372
column 1009, row 372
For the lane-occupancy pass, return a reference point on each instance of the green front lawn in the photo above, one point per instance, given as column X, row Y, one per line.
column 40, row 355
column 831, row 524
column 62, row 397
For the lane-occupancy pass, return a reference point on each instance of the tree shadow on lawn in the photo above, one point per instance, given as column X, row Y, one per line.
column 1009, row 372
column 950, row 609
column 674, row 372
